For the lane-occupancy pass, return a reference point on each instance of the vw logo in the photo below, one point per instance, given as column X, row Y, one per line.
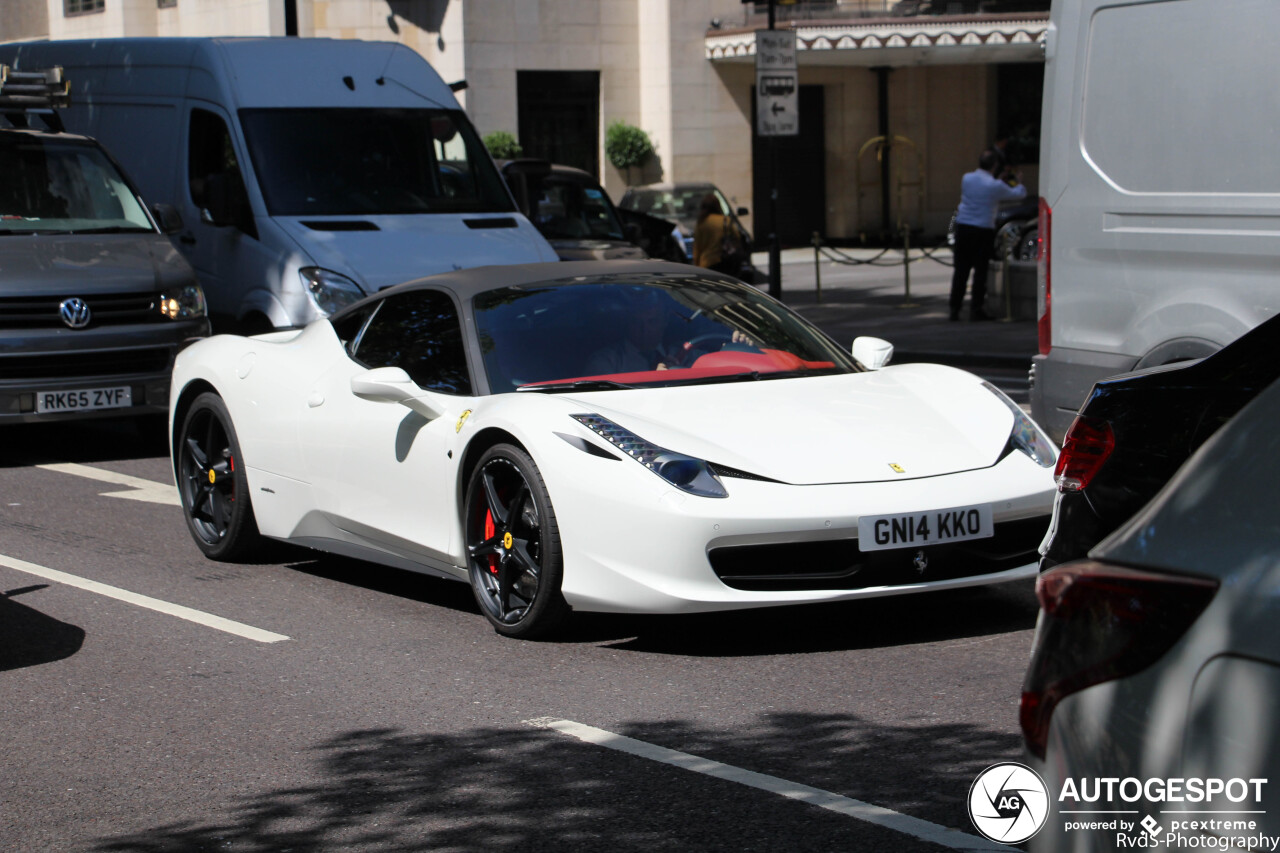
column 75, row 312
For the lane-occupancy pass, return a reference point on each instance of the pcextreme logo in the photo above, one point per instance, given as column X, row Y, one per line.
column 1008, row 803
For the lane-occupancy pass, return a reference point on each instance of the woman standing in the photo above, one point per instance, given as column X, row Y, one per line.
column 710, row 236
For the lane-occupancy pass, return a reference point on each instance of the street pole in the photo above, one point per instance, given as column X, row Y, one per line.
column 775, row 249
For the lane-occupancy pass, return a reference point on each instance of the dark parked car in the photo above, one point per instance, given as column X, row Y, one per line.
column 1157, row 658
column 680, row 202
column 570, row 208
column 1136, row 429
column 95, row 301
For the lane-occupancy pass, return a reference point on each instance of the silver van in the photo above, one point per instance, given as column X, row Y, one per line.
column 1160, row 185
column 307, row 172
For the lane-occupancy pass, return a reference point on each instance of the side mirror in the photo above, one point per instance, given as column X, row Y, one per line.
column 167, row 217
column 393, row 385
column 872, row 353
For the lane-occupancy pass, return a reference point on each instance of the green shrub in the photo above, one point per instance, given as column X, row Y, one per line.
column 626, row 145
column 502, row 145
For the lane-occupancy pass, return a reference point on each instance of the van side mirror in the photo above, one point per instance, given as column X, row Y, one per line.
column 167, row 217
column 226, row 202
column 872, row 353
column 393, row 385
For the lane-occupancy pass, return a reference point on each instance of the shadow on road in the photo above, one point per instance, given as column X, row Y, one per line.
column 867, row 624
column 495, row 790
column 83, row 441
column 29, row 637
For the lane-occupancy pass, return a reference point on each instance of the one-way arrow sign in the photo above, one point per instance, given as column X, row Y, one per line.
column 777, row 86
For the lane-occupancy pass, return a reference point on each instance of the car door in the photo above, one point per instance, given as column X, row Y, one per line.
column 383, row 472
column 220, row 230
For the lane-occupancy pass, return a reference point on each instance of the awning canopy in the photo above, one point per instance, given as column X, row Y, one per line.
column 921, row 40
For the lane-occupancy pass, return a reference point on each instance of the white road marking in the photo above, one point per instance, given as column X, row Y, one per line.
column 856, row 809
column 198, row 616
column 139, row 489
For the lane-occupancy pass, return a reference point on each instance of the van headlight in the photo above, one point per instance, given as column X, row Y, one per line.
column 330, row 291
column 183, row 303
column 1025, row 435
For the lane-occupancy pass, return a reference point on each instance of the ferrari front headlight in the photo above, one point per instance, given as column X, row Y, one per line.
column 1025, row 435
column 686, row 473
column 330, row 291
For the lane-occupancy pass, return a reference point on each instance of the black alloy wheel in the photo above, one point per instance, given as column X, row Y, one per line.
column 513, row 545
column 212, row 484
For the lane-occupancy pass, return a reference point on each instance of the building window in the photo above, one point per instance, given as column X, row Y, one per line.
column 166, row 4
column 81, row 7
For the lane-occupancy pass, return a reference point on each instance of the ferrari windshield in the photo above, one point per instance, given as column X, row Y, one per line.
column 64, row 186
column 643, row 331
column 353, row 162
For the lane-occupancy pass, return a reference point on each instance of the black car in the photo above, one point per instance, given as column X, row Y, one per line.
column 1135, row 430
column 95, row 301
column 570, row 208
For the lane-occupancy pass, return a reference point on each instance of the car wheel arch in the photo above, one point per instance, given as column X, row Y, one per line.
column 1179, row 349
column 188, row 396
column 480, row 442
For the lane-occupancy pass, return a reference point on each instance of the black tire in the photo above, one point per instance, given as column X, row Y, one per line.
column 513, row 545
column 212, row 483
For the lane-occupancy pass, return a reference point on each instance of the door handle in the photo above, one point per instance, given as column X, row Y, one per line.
column 187, row 239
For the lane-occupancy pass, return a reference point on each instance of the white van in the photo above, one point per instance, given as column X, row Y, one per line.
column 1160, row 183
column 305, row 172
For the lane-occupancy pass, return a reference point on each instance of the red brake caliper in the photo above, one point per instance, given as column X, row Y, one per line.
column 490, row 530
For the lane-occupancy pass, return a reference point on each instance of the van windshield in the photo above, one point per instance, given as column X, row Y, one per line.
column 64, row 186
column 363, row 162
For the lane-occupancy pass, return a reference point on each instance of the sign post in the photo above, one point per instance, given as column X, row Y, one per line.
column 777, row 114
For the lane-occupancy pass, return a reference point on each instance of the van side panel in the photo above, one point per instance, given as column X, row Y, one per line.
column 131, row 102
column 1160, row 126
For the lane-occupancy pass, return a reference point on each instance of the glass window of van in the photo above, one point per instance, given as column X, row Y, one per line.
column 367, row 161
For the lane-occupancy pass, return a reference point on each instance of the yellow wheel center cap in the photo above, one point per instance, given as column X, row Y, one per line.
column 507, row 540
column 212, row 476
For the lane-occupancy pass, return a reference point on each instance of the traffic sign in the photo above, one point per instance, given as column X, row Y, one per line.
column 777, row 84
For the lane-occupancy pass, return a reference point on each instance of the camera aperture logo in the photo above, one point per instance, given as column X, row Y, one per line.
column 1008, row 803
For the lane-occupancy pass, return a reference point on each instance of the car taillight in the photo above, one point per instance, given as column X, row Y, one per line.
column 1086, row 446
column 1044, row 280
column 1099, row 623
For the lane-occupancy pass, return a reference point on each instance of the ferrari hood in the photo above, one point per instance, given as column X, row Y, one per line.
column 923, row 419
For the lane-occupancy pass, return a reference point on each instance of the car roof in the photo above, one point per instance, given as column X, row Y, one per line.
column 40, row 133
column 678, row 185
column 466, row 283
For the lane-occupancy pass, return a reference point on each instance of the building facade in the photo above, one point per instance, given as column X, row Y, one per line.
column 897, row 97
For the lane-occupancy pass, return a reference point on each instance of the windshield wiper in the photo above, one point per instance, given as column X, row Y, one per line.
column 111, row 229
column 577, row 385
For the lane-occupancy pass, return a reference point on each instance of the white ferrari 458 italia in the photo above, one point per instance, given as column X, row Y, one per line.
column 635, row 437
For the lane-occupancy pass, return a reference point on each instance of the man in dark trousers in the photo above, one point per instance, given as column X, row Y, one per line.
column 980, row 195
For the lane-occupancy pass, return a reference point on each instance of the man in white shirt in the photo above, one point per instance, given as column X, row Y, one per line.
column 980, row 195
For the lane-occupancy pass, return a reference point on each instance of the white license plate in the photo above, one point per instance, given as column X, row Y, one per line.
column 85, row 399
column 916, row 529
